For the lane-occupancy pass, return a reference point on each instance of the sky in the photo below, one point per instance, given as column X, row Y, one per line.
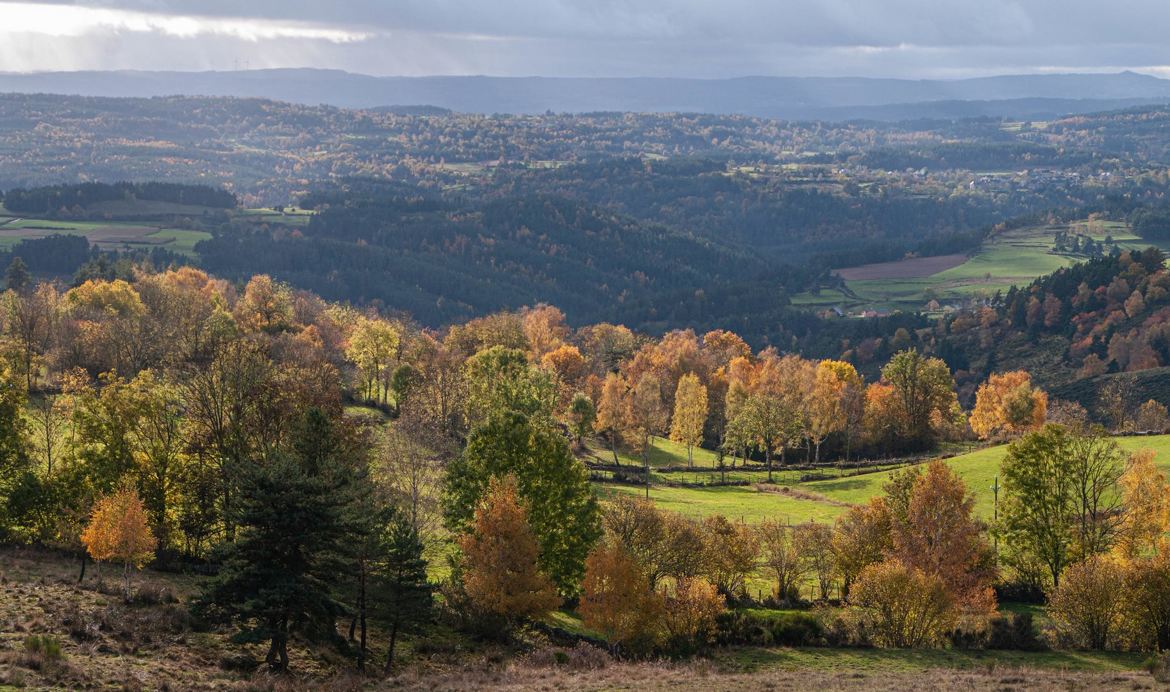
column 617, row 38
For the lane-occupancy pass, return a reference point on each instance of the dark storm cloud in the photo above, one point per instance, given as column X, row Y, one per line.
column 628, row 37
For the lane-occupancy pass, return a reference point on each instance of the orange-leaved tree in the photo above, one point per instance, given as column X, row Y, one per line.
column 941, row 537
column 500, row 572
column 119, row 531
column 1007, row 404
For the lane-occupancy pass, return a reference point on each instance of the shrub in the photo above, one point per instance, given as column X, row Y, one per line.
column 690, row 614
column 906, row 608
column 753, row 628
column 617, row 600
column 1087, row 607
column 41, row 651
column 1159, row 667
column 1015, row 633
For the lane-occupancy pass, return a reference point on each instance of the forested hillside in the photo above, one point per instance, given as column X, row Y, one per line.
column 339, row 470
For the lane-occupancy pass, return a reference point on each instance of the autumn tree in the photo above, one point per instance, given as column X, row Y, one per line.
column 611, row 410
column 1088, row 604
column 664, row 544
column 690, row 414
column 907, row 608
column 780, row 555
column 1152, row 417
column 551, row 482
column 645, row 416
column 33, row 319
column 923, row 391
column 940, row 537
column 732, row 551
column 373, row 348
column 814, row 543
column 1145, row 499
column 266, row 306
column 1146, row 606
column 1007, row 405
column 545, row 330
column 617, row 600
column 500, row 570
column 690, row 612
column 861, row 537
column 118, row 531
column 828, row 400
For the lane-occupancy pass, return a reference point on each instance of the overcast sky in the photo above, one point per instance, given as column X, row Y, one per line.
column 686, row 38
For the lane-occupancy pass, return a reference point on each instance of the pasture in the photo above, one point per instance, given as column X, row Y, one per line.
column 106, row 235
column 824, row 500
column 1010, row 258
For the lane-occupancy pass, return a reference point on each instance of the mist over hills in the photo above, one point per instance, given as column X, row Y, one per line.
column 1017, row 96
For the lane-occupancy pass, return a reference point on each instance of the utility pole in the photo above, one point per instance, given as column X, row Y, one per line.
column 995, row 515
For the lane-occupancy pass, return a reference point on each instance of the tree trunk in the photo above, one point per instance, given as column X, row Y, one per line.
column 126, row 579
column 817, row 458
column 390, row 651
column 362, row 616
column 690, row 457
column 613, row 446
column 768, row 459
column 646, row 465
column 84, row 561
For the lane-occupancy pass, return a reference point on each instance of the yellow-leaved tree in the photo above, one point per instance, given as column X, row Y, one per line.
column 617, row 599
column 119, row 531
column 690, row 414
column 1145, row 500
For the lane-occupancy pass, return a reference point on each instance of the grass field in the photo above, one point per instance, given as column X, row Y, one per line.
column 107, row 235
column 1010, row 258
column 825, row 500
column 291, row 216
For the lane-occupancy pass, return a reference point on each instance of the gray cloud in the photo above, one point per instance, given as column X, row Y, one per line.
column 926, row 38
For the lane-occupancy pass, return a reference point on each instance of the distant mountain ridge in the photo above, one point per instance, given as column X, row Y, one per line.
column 824, row 98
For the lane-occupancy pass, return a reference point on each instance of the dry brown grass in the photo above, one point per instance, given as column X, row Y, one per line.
column 148, row 644
column 153, row 644
column 703, row 675
column 799, row 494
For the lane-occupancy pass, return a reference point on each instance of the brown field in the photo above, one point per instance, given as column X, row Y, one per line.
column 705, row 676
column 914, row 268
column 106, row 237
column 153, row 643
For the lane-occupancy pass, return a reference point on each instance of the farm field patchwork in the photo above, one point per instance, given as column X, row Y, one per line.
column 1010, row 258
column 107, row 235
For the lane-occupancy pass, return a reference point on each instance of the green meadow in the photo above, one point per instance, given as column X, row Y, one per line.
column 824, row 500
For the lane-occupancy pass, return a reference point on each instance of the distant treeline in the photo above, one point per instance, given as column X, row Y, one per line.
column 44, row 200
column 72, row 256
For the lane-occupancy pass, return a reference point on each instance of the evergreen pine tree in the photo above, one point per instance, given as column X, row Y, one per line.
column 17, row 277
column 400, row 594
column 278, row 576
